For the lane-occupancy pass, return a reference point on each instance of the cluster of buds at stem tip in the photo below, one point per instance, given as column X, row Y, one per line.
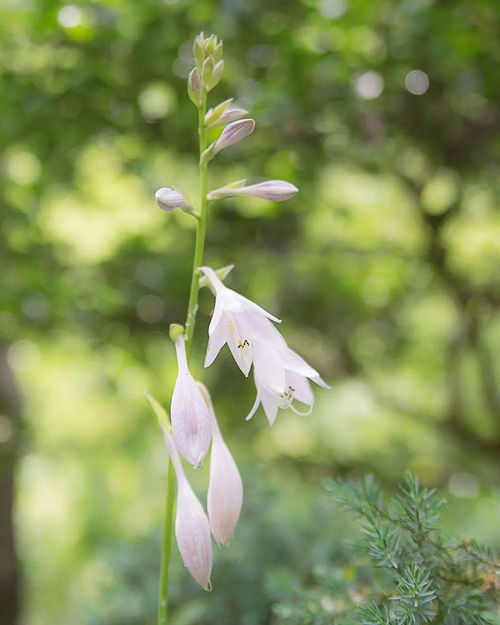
column 209, row 67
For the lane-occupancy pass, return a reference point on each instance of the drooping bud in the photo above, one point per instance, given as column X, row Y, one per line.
column 192, row 528
column 225, row 489
column 194, row 87
column 274, row 190
column 189, row 413
column 169, row 199
column 234, row 133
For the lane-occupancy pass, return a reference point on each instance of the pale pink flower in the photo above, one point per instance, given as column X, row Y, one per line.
column 192, row 528
column 225, row 489
column 275, row 190
column 234, row 133
column 190, row 416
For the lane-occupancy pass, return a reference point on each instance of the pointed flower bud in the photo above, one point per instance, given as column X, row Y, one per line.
column 195, row 87
column 210, row 44
column 234, row 133
column 217, row 117
column 275, row 190
column 217, row 52
column 225, row 489
column 189, row 413
column 207, row 70
column 198, row 50
column 215, row 76
column 192, row 529
column 169, row 199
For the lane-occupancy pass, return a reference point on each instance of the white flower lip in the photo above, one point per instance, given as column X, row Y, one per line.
column 274, row 190
column 234, row 133
column 191, row 426
column 169, row 199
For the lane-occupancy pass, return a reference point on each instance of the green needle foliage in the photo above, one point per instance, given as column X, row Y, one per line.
column 418, row 575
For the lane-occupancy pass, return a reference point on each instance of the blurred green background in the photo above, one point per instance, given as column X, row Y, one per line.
column 385, row 269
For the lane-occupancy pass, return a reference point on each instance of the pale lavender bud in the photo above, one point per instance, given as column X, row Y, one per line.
column 192, row 528
column 194, row 87
column 233, row 133
column 275, row 190
column 225, row 489
column 231, row 114
column 190, row 416
column 169, row 199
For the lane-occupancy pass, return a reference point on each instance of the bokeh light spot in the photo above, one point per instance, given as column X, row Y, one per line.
column 70, row 16
column 23, row 167
column 23, row 356
column 417, row 82
column 464, row 485
column 369, row 85
column 156, row 101
column 332, row 8
column 150, row 308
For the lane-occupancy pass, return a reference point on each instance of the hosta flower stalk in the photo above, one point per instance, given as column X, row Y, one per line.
column 281, row 376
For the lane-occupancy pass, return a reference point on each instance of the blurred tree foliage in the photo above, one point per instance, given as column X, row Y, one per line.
column 385, row 267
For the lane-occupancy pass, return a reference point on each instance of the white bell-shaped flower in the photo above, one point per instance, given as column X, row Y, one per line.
column 280, row 374
column 236, row 321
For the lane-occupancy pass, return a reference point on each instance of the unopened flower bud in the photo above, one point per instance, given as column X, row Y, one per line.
column 275, row 190
column 207, row 70
column 216, row 75
column 198, row 50
column 169, row 199
column 189, row 413
column 227, row 115
column 210, row 44
column 225, row 489
column 195, row 87
column 192, row 529
column 217, row 53
column 234, row 133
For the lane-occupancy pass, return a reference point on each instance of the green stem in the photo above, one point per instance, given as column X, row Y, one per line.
column 168, row 525
column 201, row 229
